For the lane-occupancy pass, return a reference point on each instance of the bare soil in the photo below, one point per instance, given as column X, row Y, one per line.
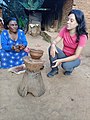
column 65, row 97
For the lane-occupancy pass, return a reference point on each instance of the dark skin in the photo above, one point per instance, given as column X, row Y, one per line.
column 18, row 47
column 13, row 27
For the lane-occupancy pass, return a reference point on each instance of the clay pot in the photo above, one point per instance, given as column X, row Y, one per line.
column 33, row 65
column 36, row 54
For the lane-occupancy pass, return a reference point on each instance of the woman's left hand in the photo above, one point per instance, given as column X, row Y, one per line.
column 57, row 63
column 21, row 47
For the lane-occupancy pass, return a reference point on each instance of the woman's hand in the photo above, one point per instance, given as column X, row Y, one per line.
column 57, row 63
column 16, row 48
column 53, row 50
column 21, row 47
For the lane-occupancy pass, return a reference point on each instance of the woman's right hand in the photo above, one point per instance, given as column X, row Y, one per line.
column 16, row 48
column 53, row 50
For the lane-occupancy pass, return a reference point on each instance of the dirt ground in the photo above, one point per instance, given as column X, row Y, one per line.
column 65, row 97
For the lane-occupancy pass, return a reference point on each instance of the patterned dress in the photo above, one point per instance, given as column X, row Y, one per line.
column 8, row 57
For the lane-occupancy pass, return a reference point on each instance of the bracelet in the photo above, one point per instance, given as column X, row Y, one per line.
column 53, row 43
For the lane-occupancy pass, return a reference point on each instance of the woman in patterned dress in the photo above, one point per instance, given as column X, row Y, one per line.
column 13, row 42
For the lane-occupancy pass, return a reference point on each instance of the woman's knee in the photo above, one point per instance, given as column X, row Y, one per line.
column 66, row 66
column 70, row 65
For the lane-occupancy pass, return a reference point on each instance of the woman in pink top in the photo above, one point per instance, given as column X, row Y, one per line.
column 74, row 38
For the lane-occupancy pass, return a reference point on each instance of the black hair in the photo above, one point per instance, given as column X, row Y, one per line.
column 81, row 28
column 8, row 20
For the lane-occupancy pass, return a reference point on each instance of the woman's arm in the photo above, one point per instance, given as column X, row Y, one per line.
column 4, row 41
column 53, row 46
column 57, row 39
column 23, row 40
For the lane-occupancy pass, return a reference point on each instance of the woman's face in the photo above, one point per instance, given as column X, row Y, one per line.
column 71, row 22
column 13, row 26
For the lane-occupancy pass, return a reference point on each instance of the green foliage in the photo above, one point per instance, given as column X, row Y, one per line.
column 22, row 22
column 32, row 4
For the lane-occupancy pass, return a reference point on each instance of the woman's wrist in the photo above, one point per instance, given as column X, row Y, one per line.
column 53, row 43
